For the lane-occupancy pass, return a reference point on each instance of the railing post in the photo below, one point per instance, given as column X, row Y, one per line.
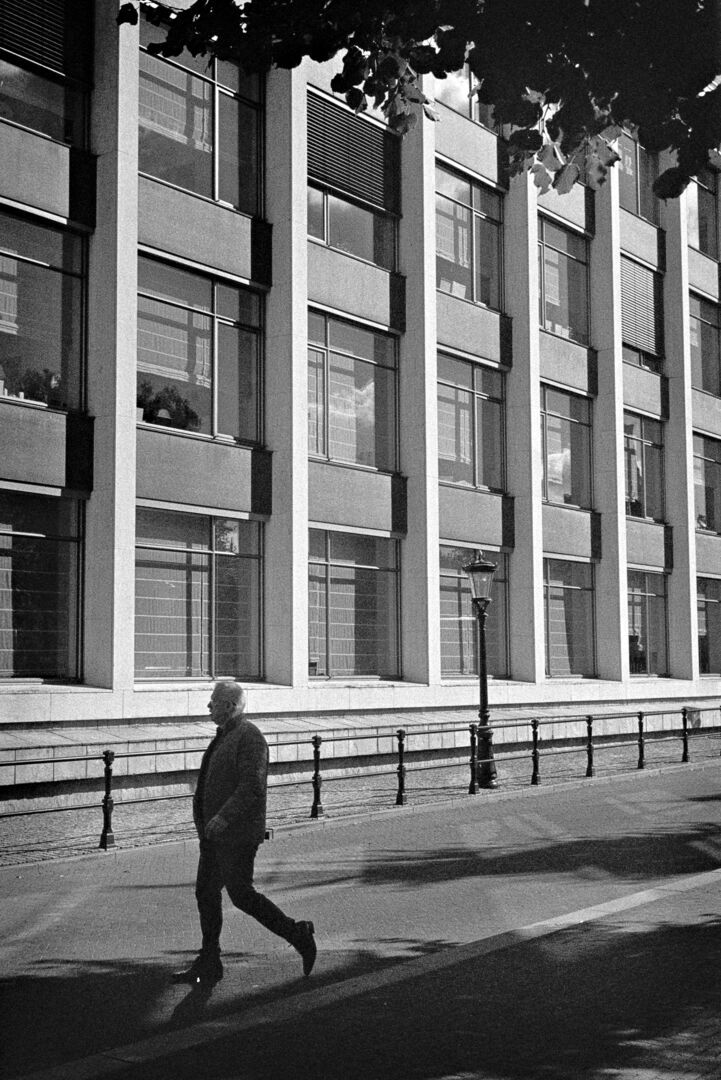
column 684, row 733
column 535, row 755
column 107, row 836
column 641, row 743
column 473, row 786
column 401, row 796
column 589, row 746
column 316, row 809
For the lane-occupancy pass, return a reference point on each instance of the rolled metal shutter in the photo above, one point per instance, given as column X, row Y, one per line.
column 641, row 307
column 349, row 153
column 53, row 33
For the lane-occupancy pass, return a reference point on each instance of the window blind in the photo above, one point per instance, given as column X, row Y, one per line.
column 352, row 155
column 641, row 307
column 46, row 32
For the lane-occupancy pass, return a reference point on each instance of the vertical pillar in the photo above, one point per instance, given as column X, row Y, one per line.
column 286, row 379
column 611, row 578
column 112, row 336
column 523, row 433
column 680, row 506
column 418, row 411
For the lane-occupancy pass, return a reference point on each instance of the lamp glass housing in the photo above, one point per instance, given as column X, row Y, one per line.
column 480, row 574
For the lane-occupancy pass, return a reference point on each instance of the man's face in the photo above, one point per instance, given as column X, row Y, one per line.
column 220, row 706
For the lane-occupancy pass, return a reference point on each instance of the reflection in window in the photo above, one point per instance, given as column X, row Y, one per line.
column 470, row 424
column 647, row 623
column 563, row 282
column 42, row 102
column 41, row 288
column 39, row 587
column 643, row 465
column 707, row 483
column 708, row 599
column 197, row 596
column 459, row 625
column 349, row 226
column 705, row 345
column 566, row 441
column 569, row 613
column 468, row 239
column 458, row 92
column 352, row 605
column 702, row 212
column 637, row 171
column 351, row 393
column 198, row 349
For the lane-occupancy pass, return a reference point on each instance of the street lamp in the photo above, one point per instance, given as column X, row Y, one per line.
column 480, row 574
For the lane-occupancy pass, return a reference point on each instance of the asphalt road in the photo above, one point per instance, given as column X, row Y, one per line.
column 568, row 933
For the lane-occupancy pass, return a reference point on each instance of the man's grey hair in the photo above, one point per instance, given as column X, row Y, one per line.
column 233, row 691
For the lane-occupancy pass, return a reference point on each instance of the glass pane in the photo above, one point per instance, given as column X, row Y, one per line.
column 362, row 618
column 489, row 443
column 459, row 628
column 237, row 154
column 317, row 615
column 165, row 528
column 648, row 171
column 569, row 619
column 709, row 626
column 316, row 328
column 350, row 228
column 169, row 283
column 455, row 435
column 564, row 241
column 456, row 187
column 453, row 249
column 454, row 91
column 627, row 177
column 175, row 126
column 236, row 617
column 316, row 220
column 174, row 366
column 42, row 104
column 38, row 514
column 39, row 592
column 487, row 202
column 42, row 243
column 40, row 334
column 654, row 483
column 487, row 381
column 708, row 222
column 487, row 263
column 172, row 611
column 240, row 305
column 361, row 413
column 372, row 551
column 453, row 371
column 237, row 383
column 316, row 543
column 352, row 339
column 316, row 402
column 384, row 241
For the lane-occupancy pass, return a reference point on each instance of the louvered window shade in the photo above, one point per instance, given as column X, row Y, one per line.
column 641, row 307
column 352, row 155
column 49, row 32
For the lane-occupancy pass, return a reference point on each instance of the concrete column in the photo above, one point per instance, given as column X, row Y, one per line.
column 609, row 482
column 286, row 381
column 112, row 337
column 418, row 410
column 680, row 508
column 523, row 434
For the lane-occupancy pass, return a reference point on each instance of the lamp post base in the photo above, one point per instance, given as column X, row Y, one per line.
column 486, row 774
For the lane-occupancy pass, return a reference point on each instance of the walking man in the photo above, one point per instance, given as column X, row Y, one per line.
column 229, row 814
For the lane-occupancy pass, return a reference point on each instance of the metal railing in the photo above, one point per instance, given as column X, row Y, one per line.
column 402, row 740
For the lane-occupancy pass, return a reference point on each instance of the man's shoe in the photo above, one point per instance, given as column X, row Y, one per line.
column 304, row 942
column 202, row 972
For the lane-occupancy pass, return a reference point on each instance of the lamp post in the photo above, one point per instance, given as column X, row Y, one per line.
column 480, row 574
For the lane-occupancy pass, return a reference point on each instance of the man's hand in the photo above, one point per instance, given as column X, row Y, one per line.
column 215, row 828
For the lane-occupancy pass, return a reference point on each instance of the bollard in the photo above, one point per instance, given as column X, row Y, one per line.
column 589, row 746
column 107, row 837
column 641, row 744
column 316, row 809
column 535, row 755
column 401, row 796
column 684, row 733
column 473, row 786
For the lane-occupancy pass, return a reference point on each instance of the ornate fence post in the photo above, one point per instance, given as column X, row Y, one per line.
column 107, row 837
column 684, row 733
column 473, row 786
column 589, row 746
column 401, row 796
column 316, row 809
column 535, row 755
column 641, row 743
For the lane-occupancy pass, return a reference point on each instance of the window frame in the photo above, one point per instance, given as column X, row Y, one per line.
column 587, row 467
column 703, row 600
column 646, row 596
column 702, row 453
column 477, row 396
column 706, row 182
column 643, row 444
column 499, row 601
column 474, row 110
column 543, row 246
column 637, row 151
column 476, row 214
column 698, row 356
column 590, row 591
column 388, row 219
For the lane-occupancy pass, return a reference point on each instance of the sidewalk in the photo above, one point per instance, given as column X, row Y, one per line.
column 560, row 933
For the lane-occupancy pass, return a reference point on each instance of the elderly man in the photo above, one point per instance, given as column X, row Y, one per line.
column 229, row 814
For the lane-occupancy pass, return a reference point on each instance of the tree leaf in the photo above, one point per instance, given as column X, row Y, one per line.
column 128, row 13
column 541, row 177
column 566, row 177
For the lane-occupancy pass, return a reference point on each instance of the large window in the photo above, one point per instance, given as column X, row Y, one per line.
column 643, row 457
column 198, row 352
column 349, row 226
column 707, row 482
column 459, row 92
column 647, row 623
column 353, row 605
column 566, row 440
column 351, row 393
column 705, row 345
column 197, row 596
column 702, row 212
column 637, row 171
column 563, row 279
column 708, row 598
column 470, row 423
column 459, row 625
column 41, row 291
column 39, row 587
column 199, row 125
column 641, row 315
column 468, row 239
column 569, row 613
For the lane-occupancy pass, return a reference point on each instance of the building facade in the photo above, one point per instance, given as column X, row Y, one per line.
column 269, row 376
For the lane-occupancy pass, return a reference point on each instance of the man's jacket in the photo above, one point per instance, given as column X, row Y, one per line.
column 233, row 784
